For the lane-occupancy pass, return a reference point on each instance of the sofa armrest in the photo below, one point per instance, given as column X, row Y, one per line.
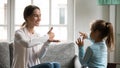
column 4, row 55
column 77, row 62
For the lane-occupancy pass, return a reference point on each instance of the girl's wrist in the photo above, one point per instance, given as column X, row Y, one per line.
column 80, row 47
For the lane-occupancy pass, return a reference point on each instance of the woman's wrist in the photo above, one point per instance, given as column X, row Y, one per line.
column 53, row 40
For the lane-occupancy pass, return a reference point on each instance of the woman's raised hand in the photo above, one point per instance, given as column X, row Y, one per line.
column 51, row 36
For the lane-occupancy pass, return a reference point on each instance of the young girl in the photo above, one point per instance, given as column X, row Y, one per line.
column 101, row 37
column 28, row 45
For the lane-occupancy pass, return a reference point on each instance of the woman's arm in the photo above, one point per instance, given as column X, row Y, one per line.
column 41, row 53
column 22, row 39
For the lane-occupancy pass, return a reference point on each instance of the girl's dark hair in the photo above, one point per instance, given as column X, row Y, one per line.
column 28, row 11
column 106, row 30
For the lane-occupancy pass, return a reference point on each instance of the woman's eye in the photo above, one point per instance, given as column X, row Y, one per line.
column 35, row 15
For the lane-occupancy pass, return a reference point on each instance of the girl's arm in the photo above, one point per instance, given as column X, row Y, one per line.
column 84, row 57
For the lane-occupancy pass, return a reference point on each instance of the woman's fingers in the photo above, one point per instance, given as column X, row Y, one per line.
column 50, row 30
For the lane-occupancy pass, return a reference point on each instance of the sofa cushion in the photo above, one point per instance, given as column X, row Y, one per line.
column 62, row 53
column 4, row 55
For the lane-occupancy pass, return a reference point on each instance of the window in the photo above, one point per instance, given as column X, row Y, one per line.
column 3, row 20
column 54, row 14
column 59, row 18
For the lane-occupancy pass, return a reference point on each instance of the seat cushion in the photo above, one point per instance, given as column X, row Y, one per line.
column 62, row 53
column 4, row 55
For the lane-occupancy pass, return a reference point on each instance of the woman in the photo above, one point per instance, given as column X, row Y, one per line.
column 28, row 45
column 101, row 37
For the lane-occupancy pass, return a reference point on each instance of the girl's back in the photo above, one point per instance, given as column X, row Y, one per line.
column 99, row 55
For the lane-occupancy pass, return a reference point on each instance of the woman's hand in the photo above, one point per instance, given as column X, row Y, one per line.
column 51, row 36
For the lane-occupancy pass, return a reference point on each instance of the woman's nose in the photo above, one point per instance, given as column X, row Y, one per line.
column 39, row 18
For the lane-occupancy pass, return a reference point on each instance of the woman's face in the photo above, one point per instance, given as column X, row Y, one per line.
column 35, row 18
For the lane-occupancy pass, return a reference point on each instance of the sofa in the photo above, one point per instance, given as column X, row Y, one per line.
column 6, row 53
column 64, row 53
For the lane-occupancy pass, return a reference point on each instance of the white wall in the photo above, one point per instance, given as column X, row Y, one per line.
column 117, row 54
column 85, row 12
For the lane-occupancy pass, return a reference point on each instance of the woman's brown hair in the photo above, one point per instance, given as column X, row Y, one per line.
column 106, row 30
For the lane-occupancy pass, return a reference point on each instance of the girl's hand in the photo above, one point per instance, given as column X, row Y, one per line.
column 80, row 42
column 83, row 35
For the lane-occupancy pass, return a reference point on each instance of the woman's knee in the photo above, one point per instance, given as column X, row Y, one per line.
column 43, row 65
column 48, row 65
column 56, row 65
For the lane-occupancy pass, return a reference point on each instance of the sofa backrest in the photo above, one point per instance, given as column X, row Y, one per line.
column 4, row 55
column 62, row 53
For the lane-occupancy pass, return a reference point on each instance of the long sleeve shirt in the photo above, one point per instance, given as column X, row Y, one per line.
column 95, row 55
column 28, row 48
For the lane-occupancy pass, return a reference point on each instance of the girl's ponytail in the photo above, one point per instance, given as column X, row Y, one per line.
column 110, row 37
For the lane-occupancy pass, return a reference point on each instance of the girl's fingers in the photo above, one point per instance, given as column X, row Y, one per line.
column 76, row 42
column 81, row 34
column 84, row 35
